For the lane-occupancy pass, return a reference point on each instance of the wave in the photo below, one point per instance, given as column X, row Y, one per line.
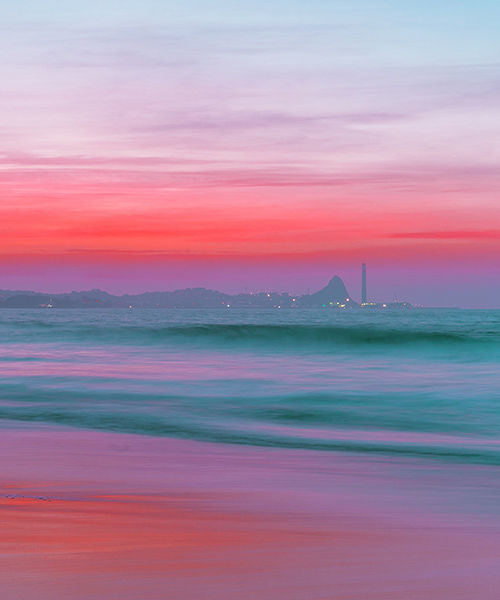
column 456, row 449
column 410, row 424
column 295, row 336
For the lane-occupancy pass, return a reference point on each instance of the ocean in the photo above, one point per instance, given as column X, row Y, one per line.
column 420, row 383
column 259, row 454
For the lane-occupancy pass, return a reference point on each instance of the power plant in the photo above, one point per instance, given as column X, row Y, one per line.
column 363, row 283
column 366, row 304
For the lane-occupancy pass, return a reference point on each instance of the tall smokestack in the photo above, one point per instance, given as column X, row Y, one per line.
column 363, row 283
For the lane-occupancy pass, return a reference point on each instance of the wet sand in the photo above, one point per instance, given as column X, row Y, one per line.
column 89, row 515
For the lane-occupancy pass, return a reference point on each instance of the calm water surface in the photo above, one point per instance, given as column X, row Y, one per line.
column 413, row 382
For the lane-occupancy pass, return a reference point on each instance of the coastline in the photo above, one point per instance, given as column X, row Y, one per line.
column 89, row 514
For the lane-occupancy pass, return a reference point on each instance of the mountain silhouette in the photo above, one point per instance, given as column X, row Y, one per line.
column 335, row 293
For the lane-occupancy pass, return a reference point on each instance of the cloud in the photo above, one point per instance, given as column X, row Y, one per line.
column 450, row 235
column 288, row 94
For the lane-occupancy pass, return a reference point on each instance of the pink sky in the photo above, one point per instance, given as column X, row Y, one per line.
column 150, row 149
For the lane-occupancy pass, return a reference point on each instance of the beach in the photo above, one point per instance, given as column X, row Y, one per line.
column 261, row 455
column 99, row 515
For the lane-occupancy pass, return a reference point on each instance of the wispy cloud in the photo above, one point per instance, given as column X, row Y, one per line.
column 450, row 235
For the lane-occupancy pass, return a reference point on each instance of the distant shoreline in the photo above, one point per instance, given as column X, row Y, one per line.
column 334, row 295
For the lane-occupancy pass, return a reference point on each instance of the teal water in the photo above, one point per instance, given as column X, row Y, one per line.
column 414, row 382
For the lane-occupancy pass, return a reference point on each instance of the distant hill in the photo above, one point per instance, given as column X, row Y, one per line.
column 92, row 299
column 334, row 295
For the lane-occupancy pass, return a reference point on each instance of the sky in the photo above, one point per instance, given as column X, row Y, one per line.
column 155, row 145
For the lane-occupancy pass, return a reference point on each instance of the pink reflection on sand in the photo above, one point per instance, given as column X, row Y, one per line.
column 90, row 515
